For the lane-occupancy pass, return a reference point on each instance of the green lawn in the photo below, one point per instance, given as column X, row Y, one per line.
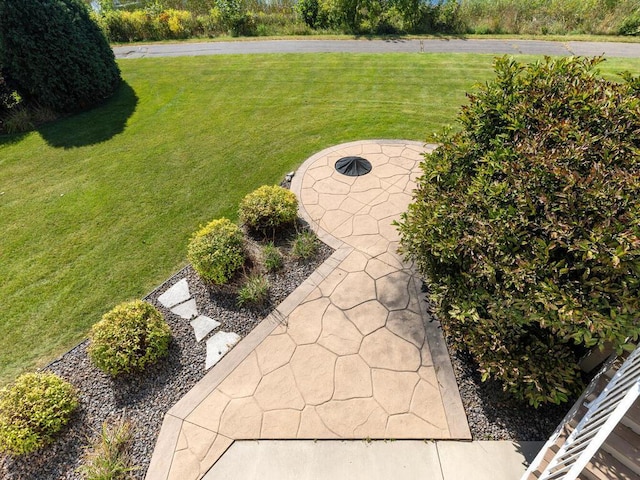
column 98, row 208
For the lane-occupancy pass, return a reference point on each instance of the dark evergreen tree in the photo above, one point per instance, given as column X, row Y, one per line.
column 56, row 54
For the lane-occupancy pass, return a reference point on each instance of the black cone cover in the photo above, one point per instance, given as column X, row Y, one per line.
column 353, row 166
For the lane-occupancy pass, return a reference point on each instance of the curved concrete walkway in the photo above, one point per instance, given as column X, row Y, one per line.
column 351, row 354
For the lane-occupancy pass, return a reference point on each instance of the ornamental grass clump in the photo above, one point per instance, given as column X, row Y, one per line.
column 109, row 456
column 32, row 410
column 129, row 338
column 272, row 257
column 305, row 245
column 216, row 251
column 268, row 208
column 526, row 223
column 254, row 292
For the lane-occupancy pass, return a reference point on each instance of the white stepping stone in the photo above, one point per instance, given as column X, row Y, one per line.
column 218, row 346
column 178, row 293
column 187, row 310
column 202, row 325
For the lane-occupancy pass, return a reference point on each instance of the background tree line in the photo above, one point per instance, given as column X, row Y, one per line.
column 170, row 19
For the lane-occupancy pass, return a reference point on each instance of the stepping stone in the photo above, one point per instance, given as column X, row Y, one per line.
column 187, row 310
column 202, row 326
column 218, row 346
column 178, row 293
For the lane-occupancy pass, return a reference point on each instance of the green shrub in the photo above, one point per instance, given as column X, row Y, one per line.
column 272, row 257
column 268, row 207
column 216, row 251
column 129, row 338
column 562, row 17
column 175, row 24
column 309, row 10
column 33, row 410
column 18, row 120
column 209, row 25
column 255, row 291
column 305, row 245
column 235, row 17
column 35, row 32
column 526, row 223
column 630, row 25
column 109, row 457
column 8, row 96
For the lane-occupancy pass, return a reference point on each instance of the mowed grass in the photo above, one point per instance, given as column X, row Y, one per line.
column 98, row 208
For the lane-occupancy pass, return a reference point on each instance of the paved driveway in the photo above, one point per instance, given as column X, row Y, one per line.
column 533, row 47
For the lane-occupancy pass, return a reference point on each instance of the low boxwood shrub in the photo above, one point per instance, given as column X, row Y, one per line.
column 32, row 410
column 526, row 223
column 268, row 208
column 129, row 338
column 216, row 251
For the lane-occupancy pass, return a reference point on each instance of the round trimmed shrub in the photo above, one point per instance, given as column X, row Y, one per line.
column 526, row 223
column 129, row 338
column 216, row 251
column 33, row 410
column 268, row 207
column 58, row 57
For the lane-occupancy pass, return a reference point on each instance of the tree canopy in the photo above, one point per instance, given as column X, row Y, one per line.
column 55, row 53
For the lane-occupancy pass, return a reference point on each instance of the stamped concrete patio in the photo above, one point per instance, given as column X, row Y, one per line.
column 351, row 354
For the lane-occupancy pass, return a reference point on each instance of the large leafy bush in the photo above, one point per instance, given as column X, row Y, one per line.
column 128, row 338
column 57, row 56
column 526, row 223
column 33, row 410
column 216, row 251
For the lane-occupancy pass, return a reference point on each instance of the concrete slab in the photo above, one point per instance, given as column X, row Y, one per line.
column 383, row 460
column 176, row 294
column 486, row 460
column 186, row 310
column 203, row 326
column 328, row 460
column 218, row 345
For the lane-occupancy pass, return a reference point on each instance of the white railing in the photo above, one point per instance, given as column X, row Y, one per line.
column 604, row 414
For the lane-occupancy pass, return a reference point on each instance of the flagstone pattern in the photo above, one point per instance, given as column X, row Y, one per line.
column 353, row 355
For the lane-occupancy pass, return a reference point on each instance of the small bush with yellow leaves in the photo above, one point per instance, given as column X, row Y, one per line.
column 129, row 338
column 32, row 410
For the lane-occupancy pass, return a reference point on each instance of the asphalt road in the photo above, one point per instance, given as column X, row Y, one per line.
column 499, row 47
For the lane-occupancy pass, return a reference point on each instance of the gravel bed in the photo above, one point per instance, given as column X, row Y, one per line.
column 144, row 398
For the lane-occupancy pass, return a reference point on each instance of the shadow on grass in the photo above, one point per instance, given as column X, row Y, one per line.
column 93, row 126
column 8, row 139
